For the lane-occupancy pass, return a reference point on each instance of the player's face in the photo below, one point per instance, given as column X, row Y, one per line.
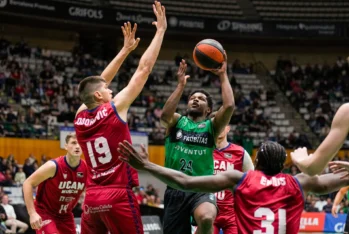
column 73, row 147
column 104, row 93
column 197, row 104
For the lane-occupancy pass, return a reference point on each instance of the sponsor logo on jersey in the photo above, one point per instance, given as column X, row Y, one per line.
column 65, row 176
column 96, row 209
column 71, row 187
column 105, row 173
column 222, row 166
column 179, row 134
column 193, row 138
column 190, row 151
column 274, row 181
column 226, row 155
column 80, row 174
column 212, row 197
column 66, row 199
column 45, row 222
column 202, row 125
column 88, row 122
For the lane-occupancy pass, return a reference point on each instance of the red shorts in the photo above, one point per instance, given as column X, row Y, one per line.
column 225, row 221
column 53, row 225
column 112, row 209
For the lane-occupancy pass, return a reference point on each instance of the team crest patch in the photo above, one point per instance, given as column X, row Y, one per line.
column 80, row 174
column 65, row 176
column 179, row 134
column 202, row 125
column 45, row 222
column 228, row 155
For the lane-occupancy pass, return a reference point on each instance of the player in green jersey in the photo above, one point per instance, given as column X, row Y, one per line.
column 190, row 143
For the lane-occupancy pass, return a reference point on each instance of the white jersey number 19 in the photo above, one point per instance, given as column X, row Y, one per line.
column 101, row 146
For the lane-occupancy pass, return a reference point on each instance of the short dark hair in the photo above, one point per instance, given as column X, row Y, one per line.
column 87, row 86
column 271, row 157
column 69, row 136
column 208, row 97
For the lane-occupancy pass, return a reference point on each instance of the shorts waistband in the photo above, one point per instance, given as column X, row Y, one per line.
column 108, row 187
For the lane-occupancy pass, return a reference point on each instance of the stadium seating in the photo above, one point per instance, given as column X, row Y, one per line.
column 201, row 8
column 309, row 10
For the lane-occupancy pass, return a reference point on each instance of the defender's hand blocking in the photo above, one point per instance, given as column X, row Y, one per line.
column 35, row 221
column 223, row 68
column 298, row 156
column 339, row 167
column 182, row 78
column 160, row 13
column 129, row 155
column 130, row 43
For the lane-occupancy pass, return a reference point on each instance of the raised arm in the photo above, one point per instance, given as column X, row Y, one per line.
column 125, row 97
column 176, row 179
column 339, row 197
column 223, row 115
column 316, row 163
column 169, row 116
column 46, row 171
column 323, row 184
column 130, row 43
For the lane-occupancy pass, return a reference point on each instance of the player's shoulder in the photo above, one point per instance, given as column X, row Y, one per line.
column 234, row 149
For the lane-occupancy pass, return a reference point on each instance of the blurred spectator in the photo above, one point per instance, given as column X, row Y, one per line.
column 28, row 168
column 321, row 203
column 328, row 207
column 311, row 207
column 11, row 221
column 20, row 176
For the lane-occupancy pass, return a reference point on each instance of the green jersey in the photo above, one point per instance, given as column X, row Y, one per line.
column 189, row 147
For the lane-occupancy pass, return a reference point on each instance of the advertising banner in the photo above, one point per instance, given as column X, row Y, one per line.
column 176, row 24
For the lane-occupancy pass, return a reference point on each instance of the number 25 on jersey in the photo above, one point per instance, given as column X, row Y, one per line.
column 101, row 146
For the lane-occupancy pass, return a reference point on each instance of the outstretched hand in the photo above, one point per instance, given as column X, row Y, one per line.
column 129, row 154
column 299, row 156
column 182, row 78
column 160, row 13
column 130, row 43
column 223, row 69
column 340, row 167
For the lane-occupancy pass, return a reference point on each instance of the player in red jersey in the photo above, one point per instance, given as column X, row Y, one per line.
column 61, row 182
column 228, row 156
column 100, row 124
column 266, row 200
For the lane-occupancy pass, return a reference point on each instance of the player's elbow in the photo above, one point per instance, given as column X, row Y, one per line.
column 145, row 67
column 229, row 108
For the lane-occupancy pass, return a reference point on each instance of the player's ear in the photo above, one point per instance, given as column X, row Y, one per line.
column 227, row 128
column 97, row 95
column 66, row 146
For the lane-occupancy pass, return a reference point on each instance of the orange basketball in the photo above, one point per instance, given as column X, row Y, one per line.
column 208, row 54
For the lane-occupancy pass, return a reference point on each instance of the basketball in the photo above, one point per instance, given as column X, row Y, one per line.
column 208, row 54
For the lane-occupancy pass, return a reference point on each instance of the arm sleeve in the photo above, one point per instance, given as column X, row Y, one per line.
column 247, row 162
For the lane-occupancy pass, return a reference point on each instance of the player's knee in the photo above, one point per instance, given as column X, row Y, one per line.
column 206, row 219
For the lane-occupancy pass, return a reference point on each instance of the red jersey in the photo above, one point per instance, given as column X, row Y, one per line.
column 268, row 204
column 99, row 132
column 59, row 194
column 228, row 158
